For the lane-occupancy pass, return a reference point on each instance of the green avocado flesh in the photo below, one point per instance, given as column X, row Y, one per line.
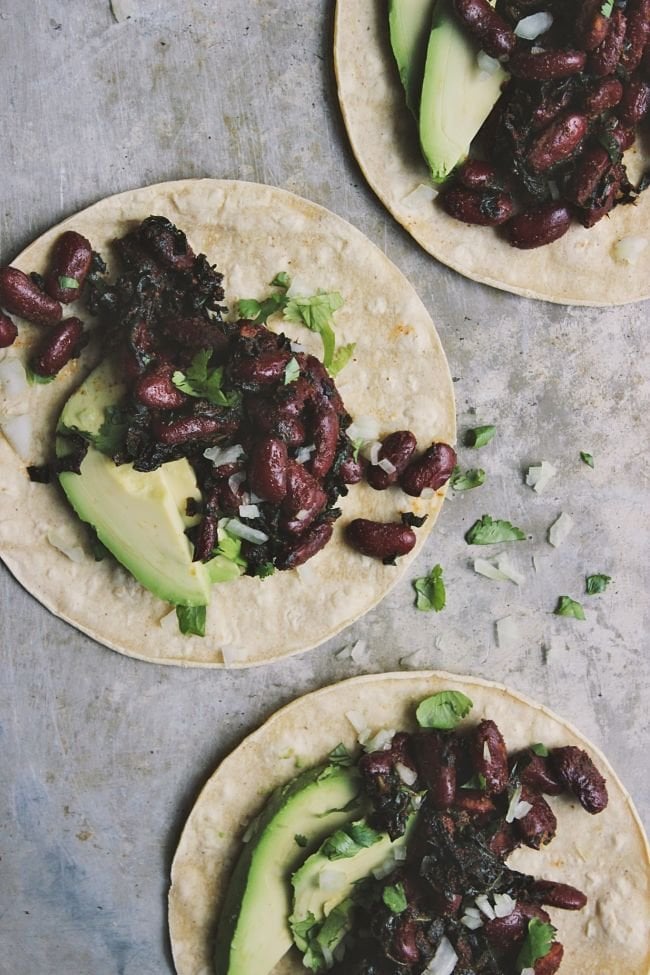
column 457, row 95
column 253, row 932
column 139, row 517
column 409, row 22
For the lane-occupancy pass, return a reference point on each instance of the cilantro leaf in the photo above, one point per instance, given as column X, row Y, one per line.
column 110, row 437
column 362, row 834
column 443, row 710
column 569, row 607
column 260, row 311
column 203, row 382
column 537, row 944
column 607, row 7
column 35, row 378
column 472, row 478
column 291, row 371
column 430, row 591
column 317, row 313
column 340, row 756
column 339, row 846
column 485, row 531
column 539, row 749
column 65, row 282
column 394, row 898
column 480, row 436
column 476, row 782
column 301, row 840
column 341, row 357
column 586, row 458
column 264, row 570
column 191, row 619
column 597, row 583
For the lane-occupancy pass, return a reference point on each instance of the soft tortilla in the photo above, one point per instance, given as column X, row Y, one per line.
column 399, row 375
column 606, row 855
column 579, row 269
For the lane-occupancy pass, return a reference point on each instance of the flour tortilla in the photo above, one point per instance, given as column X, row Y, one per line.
column 606, row 855
column 579, row 269
column 399, row 375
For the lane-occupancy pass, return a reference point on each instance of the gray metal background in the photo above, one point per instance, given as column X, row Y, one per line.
column 101, row 756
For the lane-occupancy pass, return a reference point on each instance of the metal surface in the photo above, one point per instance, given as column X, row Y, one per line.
column 102, row 756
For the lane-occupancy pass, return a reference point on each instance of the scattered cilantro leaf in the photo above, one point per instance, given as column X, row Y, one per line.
column 480, row 436
column 301, row 930
column 357, row 445
column 317, row 314
column 539, row 749
column 340, row 756
column 362, row 834
column 35, row 379
column 281, row 280
column 65, row 282
column 110, row 437
column 394, row 898
column 444, row 710
column 191, row 619
column 471, row 478
column 264, row 570
column 537, row 944
column 569, row 607
column 486, row 531
column 586, row 458
column 260, row 311
column 291, row 371
column 476, row 782
column 430, row 591
column 607, row 7
column 301, row 840
column 203, row 382
column 339, row 846
column 597, row 583
column 341, row 357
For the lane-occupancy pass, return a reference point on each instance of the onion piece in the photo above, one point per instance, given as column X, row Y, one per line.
column 507, row 631
column 380, row 741
column 386, row 466
column 304, row 453
column 18, row 431
column 628, row 250
column 237, row 528
column 473, row 923
column 371, row 450
column 249, row 511
column 486, row 63
column 483, row 904
column 236, row 480
column 225, row 455
column 518, row 807
column 531, row 27
column 444, row 960
column 504, row 905
column 385, row 868
column 539, row 476
column 357, row 721
column 358, row 651
column 13, row 378
column 364, row 428
column 70, row 548
column 419, row 197
column 560, row 529
column 406, row 774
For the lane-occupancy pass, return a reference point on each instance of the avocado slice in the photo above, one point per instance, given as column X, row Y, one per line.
column 253, row 931
column 139, row 517
column 409, row 23
column 457, row 95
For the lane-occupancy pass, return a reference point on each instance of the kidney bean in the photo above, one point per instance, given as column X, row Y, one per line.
column 378, row 764
column 507, row 932
column 8, row 331
column 206, row 539
column 380, row 540
column 267, row 469
column 475, row 174
column 539, row 225
column 431, row 470
column 580, row 776
column 227, row 497
column 635, row 103
column 504, row 841
column 322, row 384
column 602, row 205
column 397, row 448
column 490, row 756
column 187, row 429
column 325, row 433
column 546, row 65
column 535, row 772
column 196, row 333
column 444, row 904
column 563, row 896
column 262, row 370
column 637, row 34
column 304, row 497
column 62, row 343
column 644, row 66
column 604, row 60
column 552, row 105
column 168, row 244
column 475, row 804
column 603, row 95
column 550, row 963
column 558, row 142
column 492, row 31
column 306, row 547
column 539, row 825
column 71, row 258
column 404, row 949
column 156, row 390
column 624, row 137
column 591, row 25
column 351, row 471
column 484, row 209
column 589, row 172
column 436, row 766
column 20, row 296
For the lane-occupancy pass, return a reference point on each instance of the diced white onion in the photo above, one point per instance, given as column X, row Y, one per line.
column 249, row 511
column 560, row 529
column 235, row 527
column 527, row 971
column 385, row 868
column 406, row 774
column 428, row 493
column 628, row 250
column 473, row 912
column 518, row 807
column 254, row 498
column 380, row 741
column 358, row 651
column 506, row 568
column 504, row 905
column 534, row 26
column 473, row 923
column 371, row 451
column 420, row 197
column 224, row 455
column 386, row 466
column 521, row 809
column 400, row 853
column 357, row 721
column 18, row 431
column 444, row 960
column 305, row 453
column 507, row 631
column 303, row 514
column 236, row 480
column 539, row 476
column 297, row 347
column 70, row 548
column 486, row 63
column 554, row 189
column 13, row 379
column 487, row 757
column 169, row 622
column 331, row 879
column 485, row 568
column 364, row 428
column 344, row 654
column 483, row 904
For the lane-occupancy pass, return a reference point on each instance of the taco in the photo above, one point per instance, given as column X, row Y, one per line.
column 604, row 855
column 584, row 267
column 397, row 375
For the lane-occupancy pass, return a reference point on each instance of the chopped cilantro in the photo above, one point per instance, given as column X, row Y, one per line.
column 65, row 282
column 394, row 898
column 480, row 436
column 347, row 841
column 317, row 313
column 486, row 531
column 191, row 619
column 537, row 944
column 111, row 435
column 291, row 371
column 362, row 834
column 607, row 7
column 340, row 756
column 569, row 607
column 203, row 382
column 264, row 570
column 36, row 379
column 430, row 591
column 540, row 749
column 586, row 458
column 471, row 478
column 341, row 357
column 443, row 710
column 301, row 840
column 476, row 782
column 597, row 583
column 260, row 311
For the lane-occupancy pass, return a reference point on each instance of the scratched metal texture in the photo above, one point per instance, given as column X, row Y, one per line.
column 101, row 756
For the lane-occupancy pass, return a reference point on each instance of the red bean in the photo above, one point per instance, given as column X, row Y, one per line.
column 624, row 137
column 603, row 204
column 206, row 539
column 604, row 60
column 404, row 948
column 71, row 259
column 267, row 469
column 475, row 804
column 535, row 772
column 591, row 25
column 351, row 471
column 539, row 825
column 430, row 471
column 550, row 963
column 8, row 331
column 552, row 105
column 475, row 174
column 168, row 244
column 558, row 142
column 635, row 103
column 305, row 498
column 306, row 547
column 263, row 370
column 507, row 932
column 546, row 65
column 380, row 540
column 580, row 776
column 563, row 896
column 484, row 23
column 196, row 333
column 325, row 433
column 436, row 767
column 539, row 225
column 605, row 94
column 484, row 209
column 62, row 343
column 188, row 429
column 591, row 168
column 637, row 34
column 20, row 296
column 156, row 390
column 490, row 756
column 397, row 448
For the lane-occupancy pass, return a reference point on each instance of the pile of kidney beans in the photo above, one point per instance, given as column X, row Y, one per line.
column 552, row 149
column 459, row 846
column 164, row 309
